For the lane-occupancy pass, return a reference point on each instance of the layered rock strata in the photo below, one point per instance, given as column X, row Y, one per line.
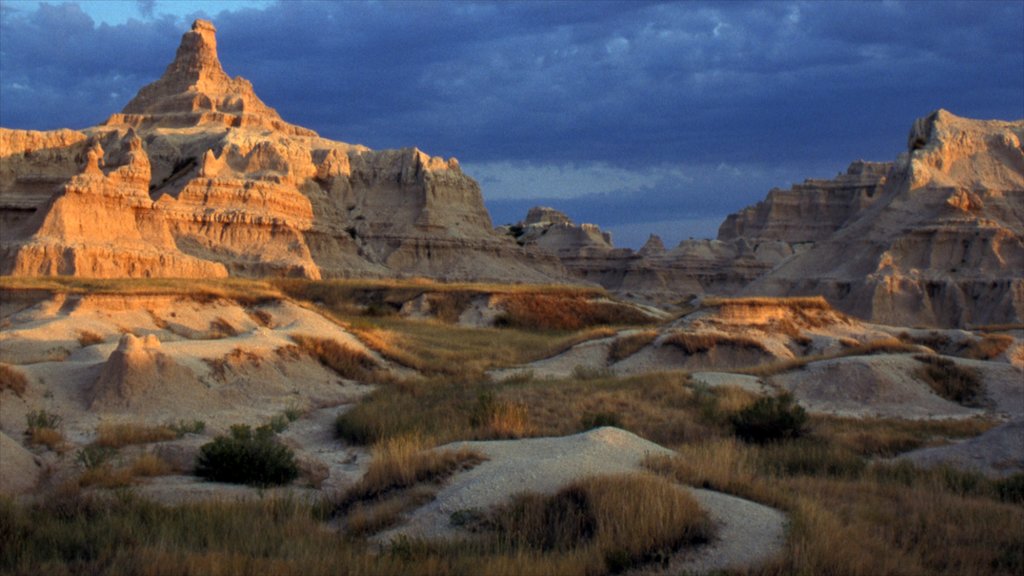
column 935, row 238
column 942, row 244
column 197, row 177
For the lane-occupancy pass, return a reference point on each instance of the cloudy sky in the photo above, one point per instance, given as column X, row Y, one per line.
column 638, row 116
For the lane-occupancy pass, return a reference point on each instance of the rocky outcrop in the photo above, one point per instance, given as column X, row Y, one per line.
column 812, row 211
column 942, row 245
column 935, row 238
column 653, row 273
column 197, row 177
column 138, row 373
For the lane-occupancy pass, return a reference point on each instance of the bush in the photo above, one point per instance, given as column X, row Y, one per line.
column 599, row 420
column 247, row 456
column 950, row 380
column 769, row 419
column 1011, row 489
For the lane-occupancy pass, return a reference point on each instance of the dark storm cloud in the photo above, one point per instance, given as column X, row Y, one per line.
column 784, row 86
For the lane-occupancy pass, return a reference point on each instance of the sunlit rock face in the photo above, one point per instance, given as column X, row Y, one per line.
column 941, row 244
column 935, row 238
column 197, row 177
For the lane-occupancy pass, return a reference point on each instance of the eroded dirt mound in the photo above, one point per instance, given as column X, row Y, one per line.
column 19, row 469
column 138, row 373
column 886, row 386
column 998, row 452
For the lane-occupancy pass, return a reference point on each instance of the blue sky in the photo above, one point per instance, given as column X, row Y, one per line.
column 638, row 116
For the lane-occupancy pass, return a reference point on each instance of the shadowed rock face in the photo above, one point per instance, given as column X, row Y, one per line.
column 197, row 177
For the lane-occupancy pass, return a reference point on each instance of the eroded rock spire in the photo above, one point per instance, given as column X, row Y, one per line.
column 194, row 90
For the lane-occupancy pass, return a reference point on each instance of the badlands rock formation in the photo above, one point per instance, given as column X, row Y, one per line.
column 943, row 244
column 197, row 177
column 936, row 238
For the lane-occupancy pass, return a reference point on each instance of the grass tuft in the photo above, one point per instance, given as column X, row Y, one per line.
column 117, row 435
column 950, row 380
column 12, row 379
column 403, row 462
column 348, row 362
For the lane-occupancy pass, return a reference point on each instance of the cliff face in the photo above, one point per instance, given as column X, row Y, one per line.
column 935, row 238
column 943, row 244
column 198, row 177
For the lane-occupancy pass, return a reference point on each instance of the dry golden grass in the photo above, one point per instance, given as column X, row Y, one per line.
column 989, row 346
column 625, row 346
column 52, row 438
column 12, row 379
column 464, row 353
column 880, row 346
column 806, row 302
column 88, row 338
column 367, row 518
column 950, row 380
column 614, row 522
column 117, row 435
column 347, row 361
column 501, row 419
column 404, row 461
column 563, row 313
column 885, row 438
column 239, row 289
column 693, row 343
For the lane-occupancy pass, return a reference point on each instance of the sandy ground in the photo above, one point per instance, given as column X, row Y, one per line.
column 749, row 533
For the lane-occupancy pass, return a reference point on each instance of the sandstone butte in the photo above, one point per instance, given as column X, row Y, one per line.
column 197, row 177
column 935, row 238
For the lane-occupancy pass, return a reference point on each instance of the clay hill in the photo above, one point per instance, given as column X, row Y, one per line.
column 934, row 238
column 197, row 177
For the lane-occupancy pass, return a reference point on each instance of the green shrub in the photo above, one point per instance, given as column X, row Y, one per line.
column 770, row 418
column 42, row 419
column 600, row 419
column 247, row 456
column 94, row 456
column 183, row 427
column 1011, row 489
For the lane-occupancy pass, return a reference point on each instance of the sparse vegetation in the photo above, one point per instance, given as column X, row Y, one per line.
column 12, row 379
column 89, row 338
column 625, row 346
column 247, row 457
column 183, row 427
column 693, row 343
column 611, row 522
column 348, row 361
column 950, row 380
column 769, row 419
column 562, row 313
column 402, row 462
column 853, row 348
column 44, row 429
column 989, row 346
column 117, row 435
